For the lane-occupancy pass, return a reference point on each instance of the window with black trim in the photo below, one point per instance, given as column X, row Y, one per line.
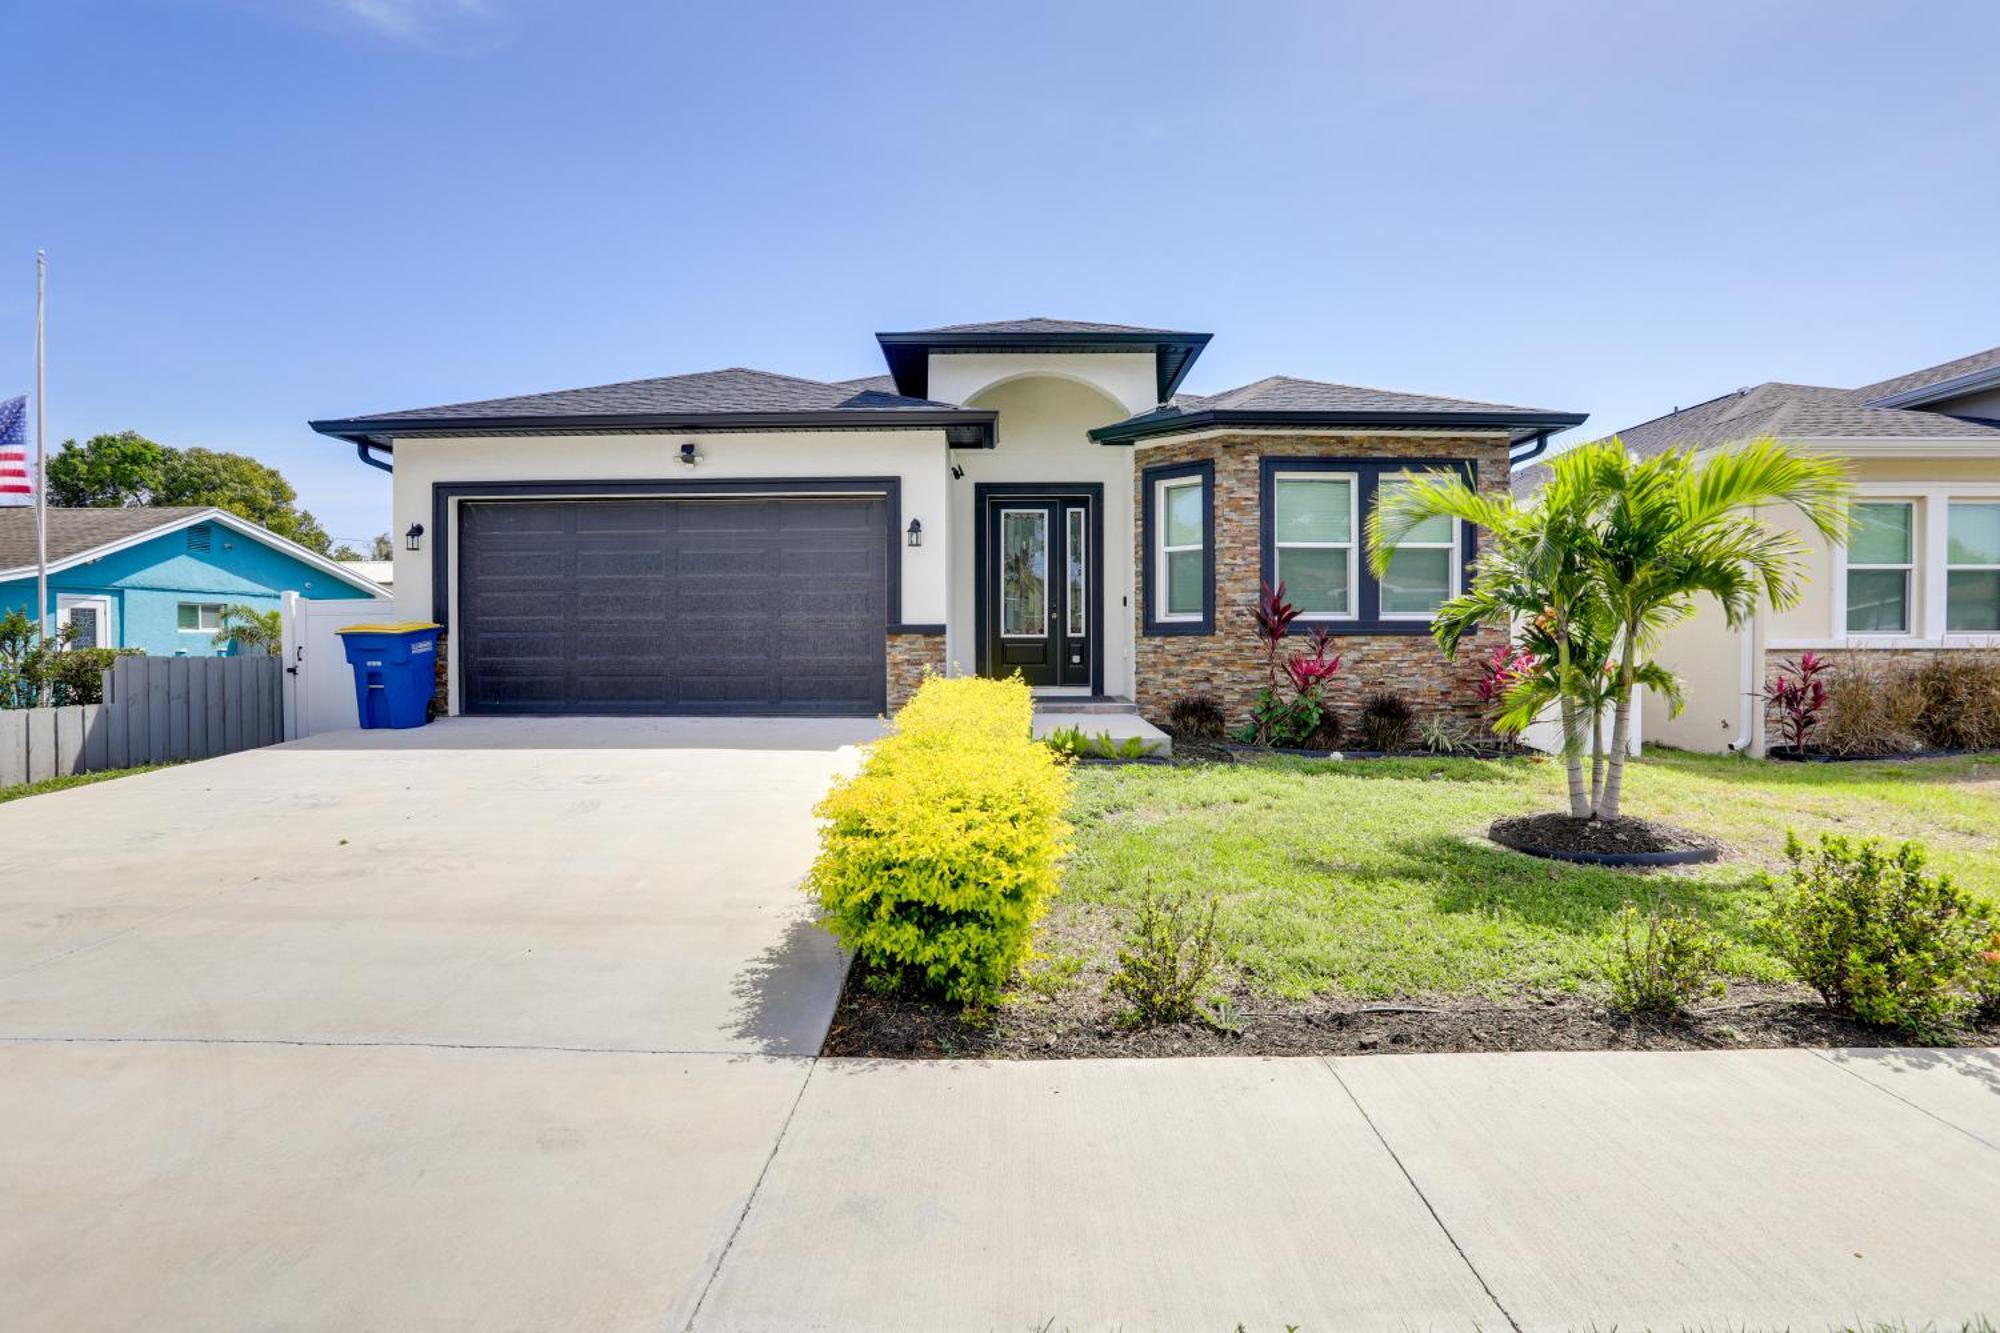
column 1314, row 514
column 1179, row 564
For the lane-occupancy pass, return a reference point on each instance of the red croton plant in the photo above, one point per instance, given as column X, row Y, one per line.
column 1798, row 696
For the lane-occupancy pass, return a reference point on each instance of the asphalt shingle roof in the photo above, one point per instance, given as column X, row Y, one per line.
column 1283, row 393
column 1938, row 374
column 74, row 531
column 1038, row 324
column 713, row 391
column 1802, row 412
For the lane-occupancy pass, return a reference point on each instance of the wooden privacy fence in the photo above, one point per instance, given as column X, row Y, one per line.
column 155, row 710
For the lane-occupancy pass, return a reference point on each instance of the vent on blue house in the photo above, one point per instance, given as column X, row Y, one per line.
column 198, row 538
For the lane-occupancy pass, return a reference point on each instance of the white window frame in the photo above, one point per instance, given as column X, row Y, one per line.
column 199, row 607
column 1452, row 547
column 1041, row 630
column 1950, row 568
column 1919, row 526
column 1161, row 550
column 1352, row 545
column 1928, row 615
column 98, row 602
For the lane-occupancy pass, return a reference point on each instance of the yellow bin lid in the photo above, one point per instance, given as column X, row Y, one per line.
column 401, row 627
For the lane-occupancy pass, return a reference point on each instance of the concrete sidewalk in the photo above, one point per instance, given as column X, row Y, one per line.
column 1770, row 1189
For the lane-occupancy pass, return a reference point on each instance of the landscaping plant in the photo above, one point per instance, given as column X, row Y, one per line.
column 1877, row 936
column 1664, row 962
column 939, row 856
column 1167, row 960
column 1197, row 717
column 1797, row 694
column 1960, row 700
column 1611, row 553
column 1986, row 978
column 1306, row 718
column 255, row 633
column 1386, row 721
column 1870, row 710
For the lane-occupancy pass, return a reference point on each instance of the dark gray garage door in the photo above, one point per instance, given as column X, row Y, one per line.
column 673, row 606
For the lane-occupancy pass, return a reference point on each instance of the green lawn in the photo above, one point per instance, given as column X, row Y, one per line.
column 1374, row 878
column 73, row 780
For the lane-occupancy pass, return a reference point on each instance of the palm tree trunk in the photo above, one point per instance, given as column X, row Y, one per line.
column 1596, row 756
column 1579, row 799
column 1621, row 732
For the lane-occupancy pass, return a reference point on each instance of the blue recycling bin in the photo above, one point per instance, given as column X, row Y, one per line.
column 395, row 667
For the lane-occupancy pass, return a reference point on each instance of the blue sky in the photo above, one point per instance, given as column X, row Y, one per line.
column 259, row 211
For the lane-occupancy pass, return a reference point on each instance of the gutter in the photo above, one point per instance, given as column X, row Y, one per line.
column 361, row 448
column 1533, row 451
column 963, row 427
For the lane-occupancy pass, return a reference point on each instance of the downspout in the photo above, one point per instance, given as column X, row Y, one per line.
column 1748, row 718
column 1532, row 452
column 361, row 448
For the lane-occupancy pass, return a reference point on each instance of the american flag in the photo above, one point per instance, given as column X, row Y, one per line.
column 14, row 479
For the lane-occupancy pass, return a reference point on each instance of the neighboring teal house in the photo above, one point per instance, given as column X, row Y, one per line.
column 157, row 579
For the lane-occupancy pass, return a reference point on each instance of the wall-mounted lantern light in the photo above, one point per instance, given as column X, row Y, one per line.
column 957, row 472
column 414, row 539
column 689, row 454
column 916, row 533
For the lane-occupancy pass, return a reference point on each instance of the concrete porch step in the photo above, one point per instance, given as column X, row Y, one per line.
column 1120, row 726
column 1083, row 703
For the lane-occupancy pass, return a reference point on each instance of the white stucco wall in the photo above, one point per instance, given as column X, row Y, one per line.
column 917, row 457
column 1042, row 424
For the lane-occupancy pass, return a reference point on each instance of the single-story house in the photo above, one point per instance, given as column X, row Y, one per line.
column 1921, row 571
column 1029, row 495
column 157, row 579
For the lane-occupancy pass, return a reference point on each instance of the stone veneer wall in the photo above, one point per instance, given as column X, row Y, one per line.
column 910, row 657
column 441, row 679
column 1230, row 663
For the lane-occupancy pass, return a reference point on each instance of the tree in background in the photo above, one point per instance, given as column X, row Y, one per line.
column 255, row 632
column 382, row 548
column 127, row 469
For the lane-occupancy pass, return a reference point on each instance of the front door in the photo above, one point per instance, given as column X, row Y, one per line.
column 1039, row 576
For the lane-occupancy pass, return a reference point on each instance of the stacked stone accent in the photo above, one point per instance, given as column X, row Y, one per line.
column 1230, row 663
column 1881, row 659
column 911, row 656
column 441, row 679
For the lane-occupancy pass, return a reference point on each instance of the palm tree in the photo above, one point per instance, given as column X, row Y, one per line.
column 252, row 630
column 1614, row 552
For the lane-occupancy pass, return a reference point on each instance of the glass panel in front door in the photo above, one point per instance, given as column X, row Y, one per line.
column 1076, row 552
column 1024, row 570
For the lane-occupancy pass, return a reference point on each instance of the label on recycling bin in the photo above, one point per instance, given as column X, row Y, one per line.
column 422, row 646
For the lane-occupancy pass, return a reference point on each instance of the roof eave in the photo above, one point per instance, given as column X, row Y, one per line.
column 965, row 428
column 908, row 354
column 1956, row 387
column 1519, row 425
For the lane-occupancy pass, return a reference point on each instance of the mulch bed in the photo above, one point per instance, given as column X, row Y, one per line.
column 1563, row 836
column 1076, row 1025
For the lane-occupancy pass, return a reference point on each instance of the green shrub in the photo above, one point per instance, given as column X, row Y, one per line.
column 1986, row 977
column 1875, row 935
column 1664, row 962
column 939, row 856
column 77, row 674
column 1167, row 960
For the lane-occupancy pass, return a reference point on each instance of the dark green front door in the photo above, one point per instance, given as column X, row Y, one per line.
column 1037, row 600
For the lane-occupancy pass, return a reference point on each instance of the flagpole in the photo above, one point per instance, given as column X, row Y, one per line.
column 41, row 449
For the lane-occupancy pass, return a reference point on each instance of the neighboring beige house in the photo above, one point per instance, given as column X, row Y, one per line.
column 1921, row 573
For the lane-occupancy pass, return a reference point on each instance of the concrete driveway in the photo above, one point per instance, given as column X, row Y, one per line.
column 510, row 1026
column 405, row 1029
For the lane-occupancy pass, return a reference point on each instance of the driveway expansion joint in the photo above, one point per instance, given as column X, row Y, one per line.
column 1978, row 1138
column 1328, row 1063
column 749, row 1200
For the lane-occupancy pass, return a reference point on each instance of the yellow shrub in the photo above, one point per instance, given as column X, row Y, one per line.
column 939, row 856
